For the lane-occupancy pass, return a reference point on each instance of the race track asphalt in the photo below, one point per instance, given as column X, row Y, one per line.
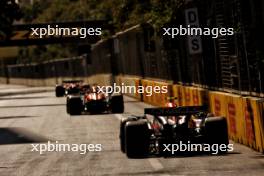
column 33, row 118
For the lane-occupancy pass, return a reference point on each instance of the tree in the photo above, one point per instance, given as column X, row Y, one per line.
column 121, row 13
column 9, row 11
column 31, row 12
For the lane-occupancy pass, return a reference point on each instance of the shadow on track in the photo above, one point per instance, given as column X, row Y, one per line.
column 201, row 154
column 23, row 98
column 5, row 94
column 16, row 117
column 31, row 106
column 19, row 136
column 159, row 172
column 187, row 155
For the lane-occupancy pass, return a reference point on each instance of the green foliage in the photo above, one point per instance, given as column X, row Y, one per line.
column 121, row 13
column 9, row 11
column 163, row 12
column 31, row 12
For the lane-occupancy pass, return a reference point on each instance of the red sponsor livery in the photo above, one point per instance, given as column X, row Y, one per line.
column 195, row 99
column 188, row 97
column 232, row 117
column 217, row 107
column 249, row 124
column 180, row 98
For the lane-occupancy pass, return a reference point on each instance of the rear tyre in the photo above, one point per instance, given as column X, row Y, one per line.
column 122, row 132
column 59, row 91
column 137, row 139
column 117, row 104
column 216, row 132
column 74, row 106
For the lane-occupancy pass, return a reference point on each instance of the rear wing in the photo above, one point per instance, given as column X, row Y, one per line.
column 175, row 111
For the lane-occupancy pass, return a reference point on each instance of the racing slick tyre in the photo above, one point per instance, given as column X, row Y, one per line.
column 122, row 132
column 216, row 132
column 74, row 105
column 137, row 139
column 117, row 104
column 59, row 91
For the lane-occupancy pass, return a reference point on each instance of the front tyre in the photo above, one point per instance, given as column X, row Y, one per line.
column 59, row 91
column 117, row 104
column 74, row 105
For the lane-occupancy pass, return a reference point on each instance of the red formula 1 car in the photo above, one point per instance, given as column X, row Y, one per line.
column 93, row 101
column 68, row 87
column 160, row 130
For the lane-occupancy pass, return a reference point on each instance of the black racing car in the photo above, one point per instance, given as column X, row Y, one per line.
column 93, row 101
column 160, row 129
column 68, row 87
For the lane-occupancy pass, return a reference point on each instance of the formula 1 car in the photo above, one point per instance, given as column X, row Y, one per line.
column 93, row 101
column 141, row 136
column 68, row 87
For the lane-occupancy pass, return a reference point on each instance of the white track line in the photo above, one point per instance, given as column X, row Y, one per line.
column 118, row 116
column 155, row 163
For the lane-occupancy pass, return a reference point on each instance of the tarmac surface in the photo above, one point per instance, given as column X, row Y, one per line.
column 35, row 116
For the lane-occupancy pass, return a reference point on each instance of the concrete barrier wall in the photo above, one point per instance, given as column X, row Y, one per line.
column 95, row 68
column 129, row 81
column 3, row 80
column 27, row 81
column 101, row 79
column 187, row 95
column 158, row 99
column 253, row 114
column 245, row 115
